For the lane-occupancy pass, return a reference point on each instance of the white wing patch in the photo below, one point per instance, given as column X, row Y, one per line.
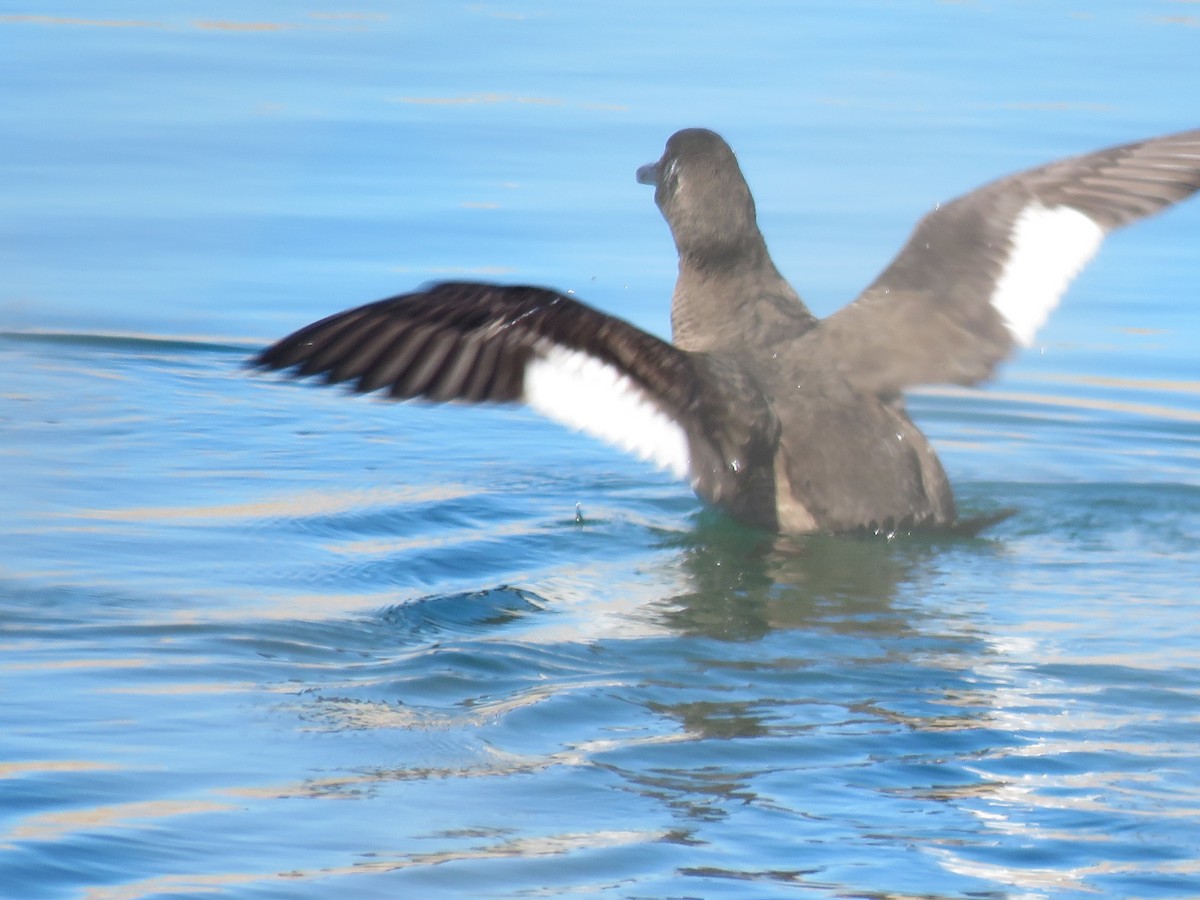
column 586, row 394
column 1048, row 247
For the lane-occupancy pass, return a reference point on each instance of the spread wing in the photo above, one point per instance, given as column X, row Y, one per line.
column 477, row 342
column 981, row 274
column 698, row 416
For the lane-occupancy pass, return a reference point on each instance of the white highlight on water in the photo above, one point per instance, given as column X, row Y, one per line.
column 586, row 394
column 1049, row 245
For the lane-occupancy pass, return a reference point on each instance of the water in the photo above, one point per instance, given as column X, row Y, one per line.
column 259, row 639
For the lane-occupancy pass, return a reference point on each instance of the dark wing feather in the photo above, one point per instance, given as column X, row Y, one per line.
column 471, row 341
column 931, row 317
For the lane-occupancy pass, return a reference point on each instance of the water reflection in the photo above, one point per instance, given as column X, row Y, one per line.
column 743, row 584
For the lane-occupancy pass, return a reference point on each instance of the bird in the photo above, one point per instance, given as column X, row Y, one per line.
column 784, row 421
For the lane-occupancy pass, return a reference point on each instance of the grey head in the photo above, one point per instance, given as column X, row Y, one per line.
column 703, row 195
column 729, row 295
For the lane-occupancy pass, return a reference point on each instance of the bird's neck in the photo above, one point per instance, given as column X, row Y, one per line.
column 708, row 308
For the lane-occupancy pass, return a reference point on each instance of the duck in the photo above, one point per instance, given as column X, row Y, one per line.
column 784, row 421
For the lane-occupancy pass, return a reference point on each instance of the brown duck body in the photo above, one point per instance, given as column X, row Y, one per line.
column 785, row 421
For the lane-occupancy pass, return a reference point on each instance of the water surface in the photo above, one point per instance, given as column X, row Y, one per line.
column 262, row 639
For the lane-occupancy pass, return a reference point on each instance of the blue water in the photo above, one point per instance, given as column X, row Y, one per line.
column 260, row 639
